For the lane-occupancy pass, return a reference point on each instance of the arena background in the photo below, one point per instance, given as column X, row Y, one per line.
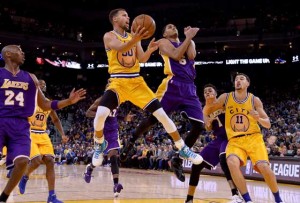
column 63, row 44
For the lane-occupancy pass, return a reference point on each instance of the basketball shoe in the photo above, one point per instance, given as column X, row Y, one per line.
column 117, row 189
column 98, row 154
column 53, row 199
column 236, row 199
column 187, row 153
column 125, row 150
column 88, row 173
column 9, row 173
column 176, row 165
column 22, row 184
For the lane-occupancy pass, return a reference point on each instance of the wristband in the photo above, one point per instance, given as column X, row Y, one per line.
column 54, row 105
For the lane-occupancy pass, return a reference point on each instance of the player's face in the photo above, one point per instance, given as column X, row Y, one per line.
column 42, row 85
column 171, row 31
column 240, row 82
column 209, row 92
column 17, row 55
column 122, row 20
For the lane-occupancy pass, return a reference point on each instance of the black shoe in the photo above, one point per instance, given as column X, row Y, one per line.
column 176, row 164
column 124, row 151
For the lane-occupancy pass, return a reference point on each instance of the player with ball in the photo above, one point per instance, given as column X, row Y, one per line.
column 124, row 52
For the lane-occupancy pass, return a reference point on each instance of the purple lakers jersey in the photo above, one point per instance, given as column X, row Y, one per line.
column 218, row 123
column 182, row 70
column 111, row 125
column 17, row 94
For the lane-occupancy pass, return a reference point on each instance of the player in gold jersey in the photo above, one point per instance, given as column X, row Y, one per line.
column 41, row 147
column 124, row 52
column 244, row 113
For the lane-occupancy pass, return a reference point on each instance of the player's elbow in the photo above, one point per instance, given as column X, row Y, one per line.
column 268, row 126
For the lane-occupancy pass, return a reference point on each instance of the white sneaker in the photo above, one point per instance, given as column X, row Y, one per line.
column 187, row 153
column 98, row 154
column 236, row 199
column 97, row 158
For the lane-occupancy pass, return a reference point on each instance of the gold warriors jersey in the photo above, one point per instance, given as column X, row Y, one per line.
column 119, row 62
column 38, row 122
column 238, row 120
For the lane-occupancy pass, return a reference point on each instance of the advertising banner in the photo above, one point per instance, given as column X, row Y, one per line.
column 287, row 170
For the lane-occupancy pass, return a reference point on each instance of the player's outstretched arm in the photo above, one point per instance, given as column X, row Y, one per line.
column 45, row 104
column 144, row 56
column 212, row 105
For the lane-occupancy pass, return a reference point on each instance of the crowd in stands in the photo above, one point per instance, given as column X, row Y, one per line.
column 155, row 149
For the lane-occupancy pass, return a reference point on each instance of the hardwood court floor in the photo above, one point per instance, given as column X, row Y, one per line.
column 140, row 186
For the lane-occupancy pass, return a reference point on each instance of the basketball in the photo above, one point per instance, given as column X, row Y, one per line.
column 146, row 21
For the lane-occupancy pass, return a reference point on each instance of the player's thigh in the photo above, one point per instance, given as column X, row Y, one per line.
column 142, row 96
column 236, row 147
column 257, row 151
column 45, row 145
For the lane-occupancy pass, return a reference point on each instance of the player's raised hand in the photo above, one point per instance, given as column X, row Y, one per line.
column 153, row 45
column 186, row 29
column 77, row 95
column 139, row 33
column 190, row 32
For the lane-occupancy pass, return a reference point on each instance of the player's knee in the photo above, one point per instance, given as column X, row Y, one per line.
column 109, row 100
column 196, row 130
column 223, row 159
column 162, row 117
column 197, row 127
column 35, row 162
column 21, row 162
column 263, row 168
column 114, row 161
column 153, row 106
column 48, row 160
column 224, row 166
column 233, row 161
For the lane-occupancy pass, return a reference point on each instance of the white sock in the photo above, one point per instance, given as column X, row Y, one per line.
column 99, row 140
column 179, row 143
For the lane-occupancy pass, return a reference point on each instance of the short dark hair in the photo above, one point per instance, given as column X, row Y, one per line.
column 243, row 74
column 164, row 29
column 210, row 85
column 113, row 13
